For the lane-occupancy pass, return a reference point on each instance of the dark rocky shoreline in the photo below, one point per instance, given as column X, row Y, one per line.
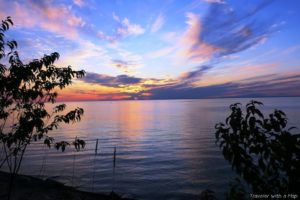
column 31, row 188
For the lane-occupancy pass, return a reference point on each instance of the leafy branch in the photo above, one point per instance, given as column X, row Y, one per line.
column 24, row 91
column 261, row 149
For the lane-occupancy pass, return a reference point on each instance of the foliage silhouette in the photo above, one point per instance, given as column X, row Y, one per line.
column 24, row 91
column 262, row 150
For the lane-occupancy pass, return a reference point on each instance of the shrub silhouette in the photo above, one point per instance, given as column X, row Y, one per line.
column 24, row 90
column 262, row 150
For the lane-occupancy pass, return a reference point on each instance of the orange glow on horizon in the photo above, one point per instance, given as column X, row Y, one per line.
column 80, row 91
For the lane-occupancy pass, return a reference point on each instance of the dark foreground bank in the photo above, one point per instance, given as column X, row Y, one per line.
column 31, row 188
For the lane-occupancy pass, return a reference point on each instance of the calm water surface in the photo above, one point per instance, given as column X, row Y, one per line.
column 165, row 148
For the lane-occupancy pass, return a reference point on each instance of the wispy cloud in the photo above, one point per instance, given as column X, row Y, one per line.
column 269, row 85
column 58, row 19
column 160, row 53
column 220, row 33
column 158, row 23
column 124, row 29
column 195, row 75
column 235, row 72
column 126, row 61
column 125, row 66
column 234, row 30
column 291, row 50
column 84, row 54
column 214, row 1
column 193, row 47
column 106, row 37
column 79, row 3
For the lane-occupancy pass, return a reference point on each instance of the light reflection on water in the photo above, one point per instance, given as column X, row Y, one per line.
column 165, row 149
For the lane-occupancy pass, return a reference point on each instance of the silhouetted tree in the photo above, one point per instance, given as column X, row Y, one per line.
column 24, row 90
column 262, row 150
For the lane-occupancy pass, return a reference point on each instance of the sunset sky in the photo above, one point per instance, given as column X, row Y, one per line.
column 165, row 49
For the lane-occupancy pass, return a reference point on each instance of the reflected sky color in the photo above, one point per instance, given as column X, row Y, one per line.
column 168, row 49
column 165, row 149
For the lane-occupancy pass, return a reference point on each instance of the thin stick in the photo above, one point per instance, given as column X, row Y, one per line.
column 115, row 151
column 73, row 166
column 96, row 149
column 96, row 152
column 114, row 166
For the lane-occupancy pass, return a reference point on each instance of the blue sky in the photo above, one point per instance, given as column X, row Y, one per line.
column 147, row 49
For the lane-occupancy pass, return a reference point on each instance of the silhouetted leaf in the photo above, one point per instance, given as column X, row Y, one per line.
column 260, row 149
column 291, row 128
column 25, row 89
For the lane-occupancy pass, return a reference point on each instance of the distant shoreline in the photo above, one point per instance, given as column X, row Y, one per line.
column 28, row 187
column 166, row 99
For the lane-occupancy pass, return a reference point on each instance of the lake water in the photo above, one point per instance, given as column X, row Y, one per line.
column 165, row 148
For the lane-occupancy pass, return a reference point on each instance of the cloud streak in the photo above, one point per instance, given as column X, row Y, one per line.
column 194, row 75
column 125, row 66
column 111, row 81
column 215, row 1
column 185, row 87
column 158, row 23
column 268, row 86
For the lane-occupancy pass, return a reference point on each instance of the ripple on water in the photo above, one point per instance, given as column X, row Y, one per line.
column 165, row 149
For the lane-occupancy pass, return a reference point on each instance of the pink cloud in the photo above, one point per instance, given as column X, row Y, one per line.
column 58, row 19
column 196, row 49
